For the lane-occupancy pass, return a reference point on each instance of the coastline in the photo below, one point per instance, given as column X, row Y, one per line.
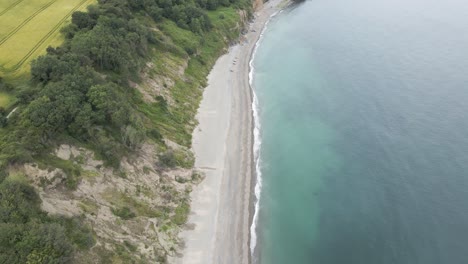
column 221, row 214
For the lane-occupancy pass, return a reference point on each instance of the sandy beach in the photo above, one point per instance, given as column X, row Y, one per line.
column 222, row 144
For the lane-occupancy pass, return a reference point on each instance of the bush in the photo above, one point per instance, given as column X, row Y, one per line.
column 34, row 243
column 181, row 214
column 28, row 235
column 78, row 233
column 154, row 133
column 18, row 202
column 5, row 86
column 168, row 159
column 3, row 171
column 125, row 213
column 130, row 246
column 3, row 119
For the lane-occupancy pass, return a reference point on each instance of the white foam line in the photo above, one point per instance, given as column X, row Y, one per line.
column 257, row 143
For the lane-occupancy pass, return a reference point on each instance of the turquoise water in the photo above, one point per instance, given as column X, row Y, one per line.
column 364, row 113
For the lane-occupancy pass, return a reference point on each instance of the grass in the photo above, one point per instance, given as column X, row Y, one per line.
column 6, row 5
column 17, row 177
column 29, row 27
column 176, row 122
column 126, row 206
column 89, row 206
column 186, row 39
column 5, row 100
column 225, row 19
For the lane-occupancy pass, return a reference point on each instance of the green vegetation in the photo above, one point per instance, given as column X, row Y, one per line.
column 181, row 213
column 27, row 235
column 80, row 92
column 72, row 171
column 89, row 207
column 126, row 206
column 125, row 213
column 28, row 28
column 5, row 100
column 80, row 89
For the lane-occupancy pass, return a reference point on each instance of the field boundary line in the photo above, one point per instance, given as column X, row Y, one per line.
column 10, row 7
column 26, row 21
column 38, row 44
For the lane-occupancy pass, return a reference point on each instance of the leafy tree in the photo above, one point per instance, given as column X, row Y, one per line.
column 156, row 13
column 34, row 243
column 46, row 115
column 83, row 20
column 69, row 30
column 108, row 104
column 27, row 235
column 18, row 202
column 52, row 67
column 82, row 122
column 102, row 46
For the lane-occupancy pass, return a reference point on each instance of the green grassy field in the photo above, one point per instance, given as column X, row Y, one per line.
column 28, row 28
column 5, row 100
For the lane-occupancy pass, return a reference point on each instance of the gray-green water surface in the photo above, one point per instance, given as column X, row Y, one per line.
column 364, row 113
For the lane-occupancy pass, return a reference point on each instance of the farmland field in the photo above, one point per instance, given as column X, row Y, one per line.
column 28, row 27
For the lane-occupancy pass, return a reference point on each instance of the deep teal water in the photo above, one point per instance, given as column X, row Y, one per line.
column 364, row 113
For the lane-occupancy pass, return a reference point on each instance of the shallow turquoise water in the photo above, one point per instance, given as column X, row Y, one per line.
column 364, row 158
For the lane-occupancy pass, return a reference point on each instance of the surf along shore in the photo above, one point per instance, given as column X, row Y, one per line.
column 222, row 142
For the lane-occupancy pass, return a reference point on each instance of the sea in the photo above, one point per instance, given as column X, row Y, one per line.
column 361, row 133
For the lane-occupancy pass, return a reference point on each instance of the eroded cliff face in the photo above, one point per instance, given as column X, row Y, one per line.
column 135, row 212
column 257, row 4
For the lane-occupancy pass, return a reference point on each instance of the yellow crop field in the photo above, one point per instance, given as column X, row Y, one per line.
column 28, row 27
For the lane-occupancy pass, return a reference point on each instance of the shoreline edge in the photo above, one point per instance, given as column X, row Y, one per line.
column 222, row 205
